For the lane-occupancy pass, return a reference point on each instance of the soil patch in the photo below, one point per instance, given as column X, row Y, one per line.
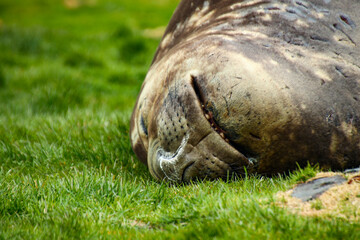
column 339, row 201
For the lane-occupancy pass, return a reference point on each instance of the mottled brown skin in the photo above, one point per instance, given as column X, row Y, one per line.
column 261, row 85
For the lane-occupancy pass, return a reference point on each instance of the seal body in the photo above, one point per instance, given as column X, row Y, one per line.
column 259, row 85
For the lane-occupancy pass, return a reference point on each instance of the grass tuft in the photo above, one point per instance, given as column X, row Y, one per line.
column 306, row 173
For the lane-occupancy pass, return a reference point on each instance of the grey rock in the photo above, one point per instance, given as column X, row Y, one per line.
column 352, row 170
column 313, row 189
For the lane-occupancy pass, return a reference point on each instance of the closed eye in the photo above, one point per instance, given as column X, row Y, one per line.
column 143, row 126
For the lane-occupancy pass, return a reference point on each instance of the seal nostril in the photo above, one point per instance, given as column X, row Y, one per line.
column 185, row 171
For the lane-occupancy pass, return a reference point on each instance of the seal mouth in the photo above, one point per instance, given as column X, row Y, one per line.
column 199, row 92
column 208, row 115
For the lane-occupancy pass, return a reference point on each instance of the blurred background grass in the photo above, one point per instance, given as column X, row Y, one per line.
column 58, row 56
column 70, row 71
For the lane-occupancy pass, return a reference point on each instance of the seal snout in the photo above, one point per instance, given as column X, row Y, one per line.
column 189, row 143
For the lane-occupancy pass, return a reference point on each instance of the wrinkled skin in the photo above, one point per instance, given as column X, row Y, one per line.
column 261, row 85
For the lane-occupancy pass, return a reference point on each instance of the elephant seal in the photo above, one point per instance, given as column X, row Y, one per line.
column 251, row 85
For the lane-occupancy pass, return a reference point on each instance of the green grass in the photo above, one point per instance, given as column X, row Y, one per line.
column 68, row 81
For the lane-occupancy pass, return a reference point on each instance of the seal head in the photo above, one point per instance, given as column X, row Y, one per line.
column 257, row 85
